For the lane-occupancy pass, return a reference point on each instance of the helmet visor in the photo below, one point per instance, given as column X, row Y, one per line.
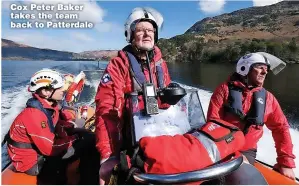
column 276, row 64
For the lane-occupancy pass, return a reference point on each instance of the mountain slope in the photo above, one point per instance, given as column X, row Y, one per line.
column 99, row 54
column 274, row 29
column 15, row 51
column 278, row 20
column 224, row 38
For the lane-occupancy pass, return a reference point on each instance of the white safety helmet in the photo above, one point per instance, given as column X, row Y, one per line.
column 244, row 64
column 46, row 78
column 143, row 14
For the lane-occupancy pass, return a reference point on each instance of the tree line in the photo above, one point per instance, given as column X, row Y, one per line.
column 181, row 49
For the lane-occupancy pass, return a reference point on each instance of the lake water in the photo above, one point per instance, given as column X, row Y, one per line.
column 285, row 86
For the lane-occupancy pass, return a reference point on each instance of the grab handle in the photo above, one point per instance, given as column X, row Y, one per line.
column 193, row 176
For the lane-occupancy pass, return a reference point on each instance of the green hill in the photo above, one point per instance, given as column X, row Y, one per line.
column 224, row 38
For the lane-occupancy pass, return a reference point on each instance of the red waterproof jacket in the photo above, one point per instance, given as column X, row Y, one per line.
column 212, row 143
column 110, row 99
column 274, row 119
column 31, row 126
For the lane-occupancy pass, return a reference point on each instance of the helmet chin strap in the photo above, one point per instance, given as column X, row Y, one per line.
column 52, row 94
column 246, row 81
column 140, row 52
column 50, row 97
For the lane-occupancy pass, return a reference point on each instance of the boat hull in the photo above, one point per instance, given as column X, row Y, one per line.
column 12, row 178
column 273, row 177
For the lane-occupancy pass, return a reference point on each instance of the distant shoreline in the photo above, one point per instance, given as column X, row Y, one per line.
column 101, row 61
column 25, row 59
